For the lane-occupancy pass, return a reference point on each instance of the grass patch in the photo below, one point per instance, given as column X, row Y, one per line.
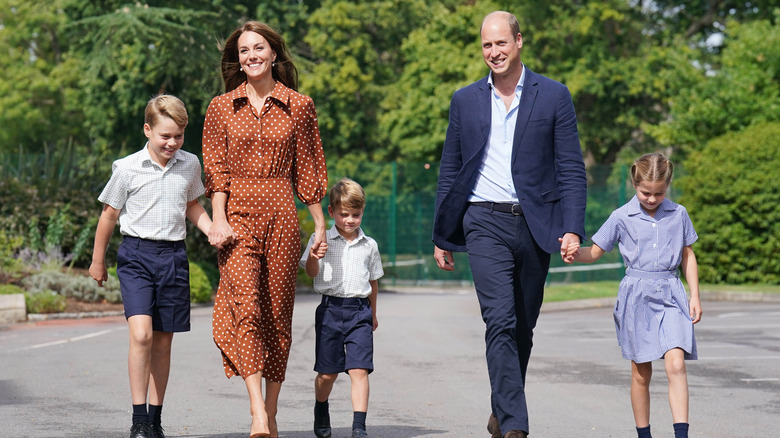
column 580, row 291
column 602, row 289
column 765, row 288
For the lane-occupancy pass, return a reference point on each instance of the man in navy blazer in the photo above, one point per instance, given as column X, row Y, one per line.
column 511, row 191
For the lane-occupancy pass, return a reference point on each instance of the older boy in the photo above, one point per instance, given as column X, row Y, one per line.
column 346, row 272
column 150, row 192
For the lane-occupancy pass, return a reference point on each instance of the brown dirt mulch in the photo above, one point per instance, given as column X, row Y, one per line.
column 75, row 306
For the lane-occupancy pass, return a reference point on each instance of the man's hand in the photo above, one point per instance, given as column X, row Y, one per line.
column 444, row 259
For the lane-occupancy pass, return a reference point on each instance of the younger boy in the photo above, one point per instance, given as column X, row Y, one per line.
column 150, row 192
column 346, row 272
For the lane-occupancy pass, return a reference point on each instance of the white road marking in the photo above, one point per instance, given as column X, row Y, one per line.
column 65, row 341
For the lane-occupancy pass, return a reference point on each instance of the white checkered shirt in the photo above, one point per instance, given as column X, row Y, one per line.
column 347, row 267
column 153, row 200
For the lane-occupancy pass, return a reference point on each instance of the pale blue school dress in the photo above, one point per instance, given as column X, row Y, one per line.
column 651, row 313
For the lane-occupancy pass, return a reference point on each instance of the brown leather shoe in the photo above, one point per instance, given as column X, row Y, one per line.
column 516, row 434
column 493, row 428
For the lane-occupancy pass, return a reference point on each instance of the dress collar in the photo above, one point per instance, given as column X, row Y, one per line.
column 280, row 93
column 635, row 208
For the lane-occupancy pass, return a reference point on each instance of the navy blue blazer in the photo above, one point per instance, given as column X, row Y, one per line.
column 547, row 166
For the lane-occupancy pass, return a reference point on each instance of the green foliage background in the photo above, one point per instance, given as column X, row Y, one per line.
column 670, row 76
column 733, row 192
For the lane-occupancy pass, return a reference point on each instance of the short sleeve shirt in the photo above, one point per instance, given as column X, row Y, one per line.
column 347, row 267
column 648, row 243
column 153, row 200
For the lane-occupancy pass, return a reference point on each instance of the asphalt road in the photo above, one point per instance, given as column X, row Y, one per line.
column 67, row 378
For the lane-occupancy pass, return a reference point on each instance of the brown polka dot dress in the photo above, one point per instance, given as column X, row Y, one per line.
column 261, row 158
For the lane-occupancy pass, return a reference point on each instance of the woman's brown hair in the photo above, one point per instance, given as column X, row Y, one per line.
column 283, row 70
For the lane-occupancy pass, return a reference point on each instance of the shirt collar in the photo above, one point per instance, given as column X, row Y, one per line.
column 333, row 233
column 147, row 157
column 520, row 83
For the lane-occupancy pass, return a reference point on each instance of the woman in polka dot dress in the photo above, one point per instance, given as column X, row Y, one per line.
column 261, row 146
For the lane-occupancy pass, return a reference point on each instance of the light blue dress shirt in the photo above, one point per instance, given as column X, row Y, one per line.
column 494, row 182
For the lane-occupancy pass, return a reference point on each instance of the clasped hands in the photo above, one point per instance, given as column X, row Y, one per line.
column 221, row 234
column 570, row 247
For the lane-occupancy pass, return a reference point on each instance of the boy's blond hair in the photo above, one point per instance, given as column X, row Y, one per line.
column 347, row 194
column 165, row 105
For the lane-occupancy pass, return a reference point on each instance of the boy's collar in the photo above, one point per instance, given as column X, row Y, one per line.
column 146, row 156
column 333, row 233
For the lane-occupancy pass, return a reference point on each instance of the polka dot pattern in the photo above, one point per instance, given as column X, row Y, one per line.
column 262, row 158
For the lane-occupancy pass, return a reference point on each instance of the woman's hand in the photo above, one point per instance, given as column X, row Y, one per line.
column 220, row 233
column 320, row 245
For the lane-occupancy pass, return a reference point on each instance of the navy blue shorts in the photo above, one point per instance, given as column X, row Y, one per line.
column 154, row 277
column 344, row 331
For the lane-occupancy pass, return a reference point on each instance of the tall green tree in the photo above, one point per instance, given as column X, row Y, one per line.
column 741, row 89
column 440, row 56
column 136, row 51
column 38, row 104
column 355, row 50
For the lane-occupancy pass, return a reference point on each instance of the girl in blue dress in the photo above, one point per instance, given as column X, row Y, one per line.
column 653, row 316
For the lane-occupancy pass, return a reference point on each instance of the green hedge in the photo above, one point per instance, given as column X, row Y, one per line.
column 733, row 196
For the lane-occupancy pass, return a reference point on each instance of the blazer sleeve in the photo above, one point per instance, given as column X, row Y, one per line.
column 572, row 179
column 449, row 167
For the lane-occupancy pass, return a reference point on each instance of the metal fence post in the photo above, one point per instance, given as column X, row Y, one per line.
column 392, row 219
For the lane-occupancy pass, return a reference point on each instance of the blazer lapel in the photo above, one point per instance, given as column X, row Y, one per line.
column 527, row 100
column 478, row 135
column 484, row 110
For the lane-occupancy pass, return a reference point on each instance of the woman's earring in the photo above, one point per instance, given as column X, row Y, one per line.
column 273, row 64
column 240, row 68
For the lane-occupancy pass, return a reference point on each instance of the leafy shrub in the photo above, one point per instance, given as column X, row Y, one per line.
column 74, row 286
column 733, row 196
column 200, row 287
column 9, row 245
column 46, row 301
column 8, row 289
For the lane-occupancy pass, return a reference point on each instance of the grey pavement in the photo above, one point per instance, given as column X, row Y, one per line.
column 68, row 378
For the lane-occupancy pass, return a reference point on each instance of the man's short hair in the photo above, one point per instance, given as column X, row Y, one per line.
column 511, row 20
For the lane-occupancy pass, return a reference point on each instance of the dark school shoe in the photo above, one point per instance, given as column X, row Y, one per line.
column 142, row 429
column 322, row 426
column 493, row 428
column 359, row 433
column 516, row 434
column 157, row 431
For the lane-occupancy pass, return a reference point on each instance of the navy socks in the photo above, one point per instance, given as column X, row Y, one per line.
column 155, row 414
column 359, row 420
column 321, row 409
column 140, row 414
column 643, row 432
column 680, row 430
